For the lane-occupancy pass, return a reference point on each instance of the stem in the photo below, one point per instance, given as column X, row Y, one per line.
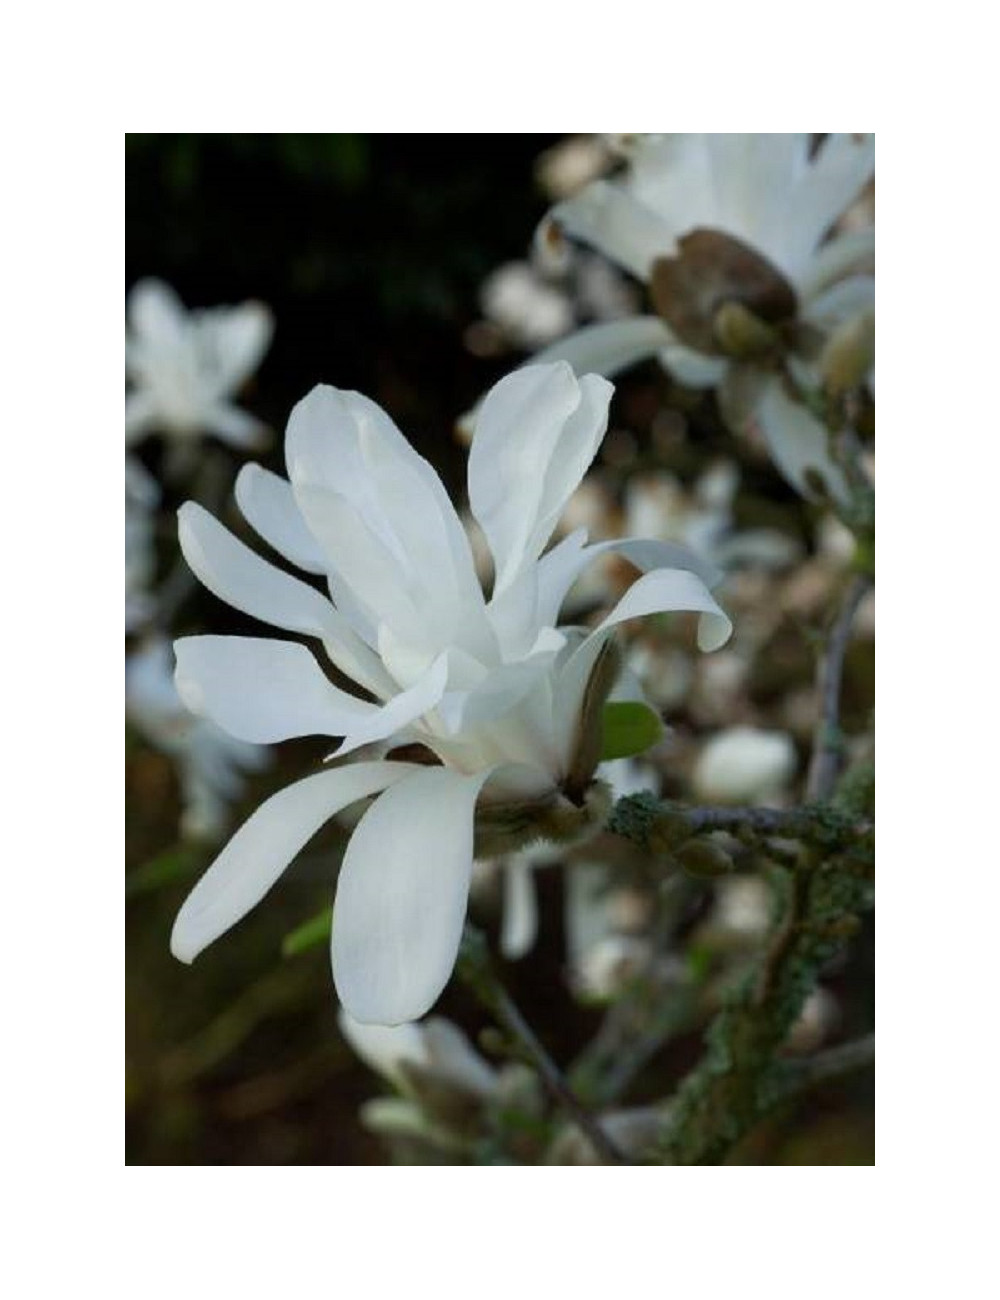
column 477, row 971
column 830, row 671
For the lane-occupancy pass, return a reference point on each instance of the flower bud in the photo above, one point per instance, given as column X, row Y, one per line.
column 704, row 858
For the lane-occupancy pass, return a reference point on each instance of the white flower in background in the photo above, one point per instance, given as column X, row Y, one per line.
column 744, row 765
column 211, row 765
column 503, row 700
column 730, row 222
column 142, row 495
column 528, row 309
column 185, row 367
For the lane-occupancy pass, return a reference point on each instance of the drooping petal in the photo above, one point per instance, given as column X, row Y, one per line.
column 610, row 347
column 402, row 895
column 536, row 435
column 264, row 846
column 264, row 691
column 242, row 579
column 797, row 441
column 615, row 222
column 560, row 568
column 384, row 1048
column 268, row 506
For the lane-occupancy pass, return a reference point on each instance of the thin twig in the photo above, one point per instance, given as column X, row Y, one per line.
column 830, row 671
column 476, row 969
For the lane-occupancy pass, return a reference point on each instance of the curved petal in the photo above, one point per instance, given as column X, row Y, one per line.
column 693, row 369
column 384, row 1048
column 797, row 441
column 615, row 222
column 401, row 710
column 264, row 846
column 841, row 301
column 263, row 691
column 664, row 591
column 268, row 505
column 610, row 347
column 401, row 897
column 536, row 435
column 242, row 579
column 560, row 568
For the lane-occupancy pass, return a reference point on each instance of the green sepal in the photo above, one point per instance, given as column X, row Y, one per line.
column 628, row 727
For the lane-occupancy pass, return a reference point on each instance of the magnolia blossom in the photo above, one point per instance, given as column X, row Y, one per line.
column 184, row 367
column 494, row 701
column 713, row 222
column 211, row 765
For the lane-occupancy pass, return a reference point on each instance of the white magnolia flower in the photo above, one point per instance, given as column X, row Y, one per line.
column 211, row 765
column 707, row 220
column 744, row 765
column 432, row 1048
column 494, row 693
column 184, row 367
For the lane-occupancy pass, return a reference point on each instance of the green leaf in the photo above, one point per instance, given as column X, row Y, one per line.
column 628, row 728
column 310, row 933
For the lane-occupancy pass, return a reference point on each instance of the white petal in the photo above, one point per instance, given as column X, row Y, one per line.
column 615, row 222
column 242, row 579
column 401, row 897
column 140, row 415
column 234, row 426
column 606, row 349
column 536, row 435
column 264, row 846
column 691, row 368
column 797, row 441
column 156, row 314
column 668, row 590
column 560, row 568
column 453, row 1057
column 841, row 301
column 383, row 1048
column 239, row 338
column 401, row 710
column 839, row 172
column 268, row 505
column 520, row 907
column 263, row 691
column 853, row 250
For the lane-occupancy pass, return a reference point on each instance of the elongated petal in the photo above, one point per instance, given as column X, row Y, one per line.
column 610, row 219
column 264, row 846
column 691, row 368
column 269, row 507
column 797, row 441
column 520, row 907
column 264, row 691
column 608, row 348
column 401, row 710
column 402, row 895
column 536, row 435
column 841, row 301
column 242, row 579
column 384, row 1048
column 852, row 251
column 234, row 426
